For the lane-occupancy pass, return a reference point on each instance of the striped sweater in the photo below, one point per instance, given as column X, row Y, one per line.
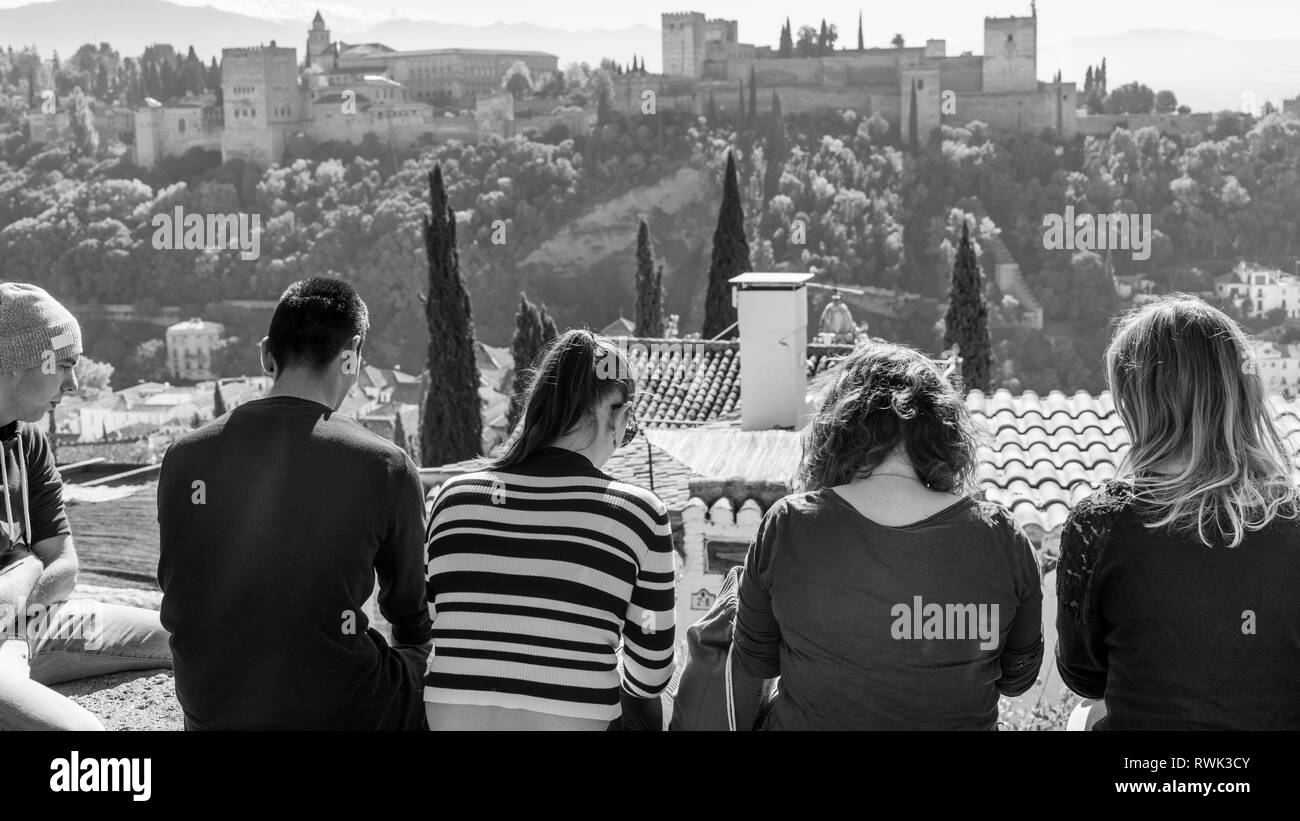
column 534, row 575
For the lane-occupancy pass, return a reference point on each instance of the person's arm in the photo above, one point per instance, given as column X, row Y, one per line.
column 51, row 534
column 17, row 578
column 756, row 637
column 1022, row 655
column 1081, row 654
column 649, row 623
column 400, row 567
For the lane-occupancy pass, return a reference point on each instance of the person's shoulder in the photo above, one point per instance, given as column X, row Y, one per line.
column 641, row 495
column 1101, row 507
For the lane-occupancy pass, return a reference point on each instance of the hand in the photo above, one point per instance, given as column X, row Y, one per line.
column 12, row 557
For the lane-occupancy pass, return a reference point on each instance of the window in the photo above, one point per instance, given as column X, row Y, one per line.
column 180, row 125
column 720, row 555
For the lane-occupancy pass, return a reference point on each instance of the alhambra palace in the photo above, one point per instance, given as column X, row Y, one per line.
column 346, row 91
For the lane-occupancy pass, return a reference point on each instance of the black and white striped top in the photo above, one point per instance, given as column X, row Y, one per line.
column 534, row 574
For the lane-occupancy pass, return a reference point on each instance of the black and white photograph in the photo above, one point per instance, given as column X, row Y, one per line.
column 724, row 367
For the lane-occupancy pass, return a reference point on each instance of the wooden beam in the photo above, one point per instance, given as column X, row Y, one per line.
column 116, row 476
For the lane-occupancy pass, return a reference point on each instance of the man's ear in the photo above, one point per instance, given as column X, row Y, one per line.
column 264, row 353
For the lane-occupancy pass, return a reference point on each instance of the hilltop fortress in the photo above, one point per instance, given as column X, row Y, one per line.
column 1000, row 87
column 341, row 92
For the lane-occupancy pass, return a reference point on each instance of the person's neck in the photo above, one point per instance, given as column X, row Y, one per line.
column 297, row 385
column 584, row 446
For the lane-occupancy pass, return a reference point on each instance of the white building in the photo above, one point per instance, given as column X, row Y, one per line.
column 189, row 348
column 1266, row 289
column 1278, row 366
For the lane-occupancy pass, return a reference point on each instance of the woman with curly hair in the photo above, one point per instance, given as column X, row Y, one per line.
column 883, row 594
column 1177, row 580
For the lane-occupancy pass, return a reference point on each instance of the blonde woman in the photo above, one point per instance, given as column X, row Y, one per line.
column 1177, row 581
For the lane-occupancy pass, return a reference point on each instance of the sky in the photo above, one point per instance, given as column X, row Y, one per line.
column 959, row 21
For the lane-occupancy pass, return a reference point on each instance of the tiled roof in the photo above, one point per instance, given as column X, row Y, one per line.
column 688, row 382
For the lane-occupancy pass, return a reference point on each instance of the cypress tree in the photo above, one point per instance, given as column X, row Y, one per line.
column 452, row 426
column 753, row 95
column 786, row 48
column 1087, row 80
column 218, row 403
column 966, row 323
column 399, row 431
column 712, row 114
column 776, row 151
column 649, row 287
column 549, row 331
column 528, row 339
column 730, row 257
column 912, row 141
column 861, row 44
column 740, row 107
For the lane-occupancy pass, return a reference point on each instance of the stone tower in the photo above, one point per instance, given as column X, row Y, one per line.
column 262, row 102
column 318, row 40
column 1011, row 54
column 683, row 43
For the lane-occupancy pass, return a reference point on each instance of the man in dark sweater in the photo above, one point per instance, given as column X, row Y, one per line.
column 274, row 521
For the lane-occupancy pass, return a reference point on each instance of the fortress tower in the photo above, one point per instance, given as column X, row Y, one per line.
column 318, row 40
column 1011, row 53
column 683, row 43
column 262, row 102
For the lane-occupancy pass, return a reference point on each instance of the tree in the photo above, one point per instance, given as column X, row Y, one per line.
column 775, row 152
column 740, row 107
column 821, row 39
column 149, row 361
column 399, row 431
column 452, row 426
column 81, row 126
column 806, row 46
column 1130, row 98
column 730, row 257
column 897, row 42
column 517, row 80
column 913, row 140
column 232, row 357
column 862, row 46
column 649, row 286
column 528, row 340
column 712, row 112
column 1087, row 80
column 966, row 322
column 753, row 95
column 92, row 374
column 786, row 48
column 603, row 88
column 218, row 402
column 1166, row 102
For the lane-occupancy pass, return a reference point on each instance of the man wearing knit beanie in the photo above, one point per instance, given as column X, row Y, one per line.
column 46, row 639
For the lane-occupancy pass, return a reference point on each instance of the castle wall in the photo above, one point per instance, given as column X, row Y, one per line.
column 962, row 75
column 1101, row 125
column 170, row 132
column 1027, row 113
column 1010, row 54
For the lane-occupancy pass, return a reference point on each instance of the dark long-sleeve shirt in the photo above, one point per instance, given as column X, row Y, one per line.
column 878, row 627
column 1175, row 634
column 274, row 521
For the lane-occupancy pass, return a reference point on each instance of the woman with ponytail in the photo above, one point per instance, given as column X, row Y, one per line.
column 541, row 565
column 884, row 595
column 1177, row 581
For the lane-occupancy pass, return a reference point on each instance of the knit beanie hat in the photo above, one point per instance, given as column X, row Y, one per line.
column 31, row 323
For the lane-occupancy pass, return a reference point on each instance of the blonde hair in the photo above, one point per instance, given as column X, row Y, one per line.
column 1177, row 370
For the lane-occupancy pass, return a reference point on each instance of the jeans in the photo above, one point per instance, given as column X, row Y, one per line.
column 79, row 639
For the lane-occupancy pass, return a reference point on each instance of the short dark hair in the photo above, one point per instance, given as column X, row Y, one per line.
column 886, row 395
column 314, row 321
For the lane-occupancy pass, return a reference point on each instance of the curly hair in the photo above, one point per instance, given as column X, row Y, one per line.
column 888, row 394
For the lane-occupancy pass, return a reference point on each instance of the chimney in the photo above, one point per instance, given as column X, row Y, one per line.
column 773, row 320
